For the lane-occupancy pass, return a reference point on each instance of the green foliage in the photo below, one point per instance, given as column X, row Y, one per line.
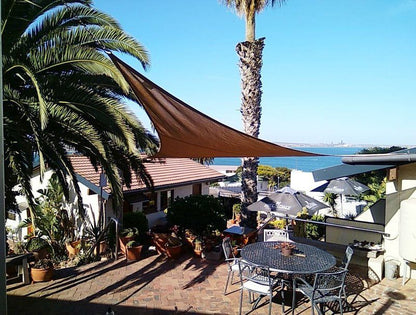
column 36, row 243
column 277, row 176
column 201, row 214
column 136, row 220
column 330, row 198
column 278, row 223
column 132, row 244
column 236, row 210
column 299, row 228
column 61, row 90
column 315, row 231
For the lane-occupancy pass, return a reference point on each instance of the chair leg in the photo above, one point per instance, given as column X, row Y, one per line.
column 241, row 300
column 340, row 307
column 226, row 284
column 270, row 303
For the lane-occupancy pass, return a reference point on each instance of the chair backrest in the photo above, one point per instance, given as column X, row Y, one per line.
column 255, row 273
column 330, row 282
column 347, row 257
column 227, row 248
column 275, row 235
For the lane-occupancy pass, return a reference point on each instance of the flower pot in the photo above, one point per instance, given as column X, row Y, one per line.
column 160, row 240
column 286, row 251
column 73, row 248
column 134, row 253
column 173, row 251
column 41, row 275
column 102, row 247
column 123, row 241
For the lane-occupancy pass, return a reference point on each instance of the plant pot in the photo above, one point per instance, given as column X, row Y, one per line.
column 160, row 240
column 173, row 251
column 41, row 275
column 123, row 241
column 102, row 247
column 286, row 251
column 134, row 253
column 73, row 248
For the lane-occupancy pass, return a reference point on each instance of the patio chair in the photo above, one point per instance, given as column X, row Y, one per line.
column 327, row 287
column 231, row 260
column 347, row 257
column 256, row 279
column 276, row 235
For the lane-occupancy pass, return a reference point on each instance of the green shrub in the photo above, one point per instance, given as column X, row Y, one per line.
column 36, row 244
column 201, row 214
column 136, row 220
column 315, row 231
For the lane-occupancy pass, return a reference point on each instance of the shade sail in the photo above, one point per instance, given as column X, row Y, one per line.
column 185, row 132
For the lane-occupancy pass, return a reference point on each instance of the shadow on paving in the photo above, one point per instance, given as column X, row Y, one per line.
column 41, row 306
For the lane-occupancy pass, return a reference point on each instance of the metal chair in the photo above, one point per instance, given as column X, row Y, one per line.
column 276, row 235
column 347, row 257
column 231, row 260
column 327, row 287
column 256, row 279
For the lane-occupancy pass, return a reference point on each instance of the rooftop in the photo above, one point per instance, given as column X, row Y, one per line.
column 169, row 172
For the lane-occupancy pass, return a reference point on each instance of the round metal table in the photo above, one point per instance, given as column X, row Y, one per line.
column 306, row 259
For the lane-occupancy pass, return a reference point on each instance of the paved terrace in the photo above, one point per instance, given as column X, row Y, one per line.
column 157, row 285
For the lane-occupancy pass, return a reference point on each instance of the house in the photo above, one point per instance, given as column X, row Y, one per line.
column 398, row 216
column 172, row 177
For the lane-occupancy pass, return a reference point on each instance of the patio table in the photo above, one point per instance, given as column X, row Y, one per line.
column 306, row 259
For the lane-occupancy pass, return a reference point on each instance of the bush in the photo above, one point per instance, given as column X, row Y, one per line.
column 315, row 231
column 201, row 214
column 136, row 220
column 36, row 244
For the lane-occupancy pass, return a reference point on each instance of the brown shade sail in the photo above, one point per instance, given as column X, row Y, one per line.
column 185, row 132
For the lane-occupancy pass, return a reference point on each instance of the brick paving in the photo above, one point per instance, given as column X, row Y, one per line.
column 189, row 285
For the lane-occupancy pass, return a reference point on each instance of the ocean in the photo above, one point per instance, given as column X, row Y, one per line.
column 306, row 164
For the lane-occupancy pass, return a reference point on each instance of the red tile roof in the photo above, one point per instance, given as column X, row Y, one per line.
column 165, row 173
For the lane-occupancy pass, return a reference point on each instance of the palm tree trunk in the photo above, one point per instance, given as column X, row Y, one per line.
column 250, row 54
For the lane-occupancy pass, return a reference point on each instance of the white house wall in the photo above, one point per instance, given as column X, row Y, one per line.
column 396, row 191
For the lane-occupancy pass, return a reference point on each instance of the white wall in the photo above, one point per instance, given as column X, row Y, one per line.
column 396, row 191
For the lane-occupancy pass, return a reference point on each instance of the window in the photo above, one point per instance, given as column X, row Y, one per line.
column 166, row 199
column 150, row 206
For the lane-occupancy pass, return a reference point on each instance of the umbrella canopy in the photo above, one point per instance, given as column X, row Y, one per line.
column 287, row 201
column 346, row 186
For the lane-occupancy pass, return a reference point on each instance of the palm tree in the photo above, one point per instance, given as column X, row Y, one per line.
column 250, row 53
column 330, row 198
column 62, row 93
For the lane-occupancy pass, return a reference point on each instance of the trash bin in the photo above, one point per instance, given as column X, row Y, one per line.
column 391, row 269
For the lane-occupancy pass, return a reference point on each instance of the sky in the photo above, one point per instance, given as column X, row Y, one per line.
column 332, row 70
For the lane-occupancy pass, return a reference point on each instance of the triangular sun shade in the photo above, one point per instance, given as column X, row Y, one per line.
column 185, row 132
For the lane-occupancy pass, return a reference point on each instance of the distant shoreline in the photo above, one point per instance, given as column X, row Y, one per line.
column 336, row 145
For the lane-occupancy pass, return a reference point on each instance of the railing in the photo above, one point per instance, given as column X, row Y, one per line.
column 334, row 225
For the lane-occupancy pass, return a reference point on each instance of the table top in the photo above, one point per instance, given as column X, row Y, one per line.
column 310, row 259
column 239, row 230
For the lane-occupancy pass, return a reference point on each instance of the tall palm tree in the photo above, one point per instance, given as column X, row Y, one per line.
column 250, row 53
column 62, row 92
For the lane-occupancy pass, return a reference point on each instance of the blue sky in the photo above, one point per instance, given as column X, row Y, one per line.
column 332, row 70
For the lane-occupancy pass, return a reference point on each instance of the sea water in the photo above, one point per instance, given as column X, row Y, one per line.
column 306, row 164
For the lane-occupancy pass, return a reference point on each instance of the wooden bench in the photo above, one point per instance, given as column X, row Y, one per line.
column 22, row 263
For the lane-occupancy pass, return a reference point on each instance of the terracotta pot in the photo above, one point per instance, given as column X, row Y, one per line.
column 286, row 251
column 40, row 275
column 134, row 253
column 160, row 240
column 101, row 248
column 173, row 251
column 73, row 248
column 123, row 242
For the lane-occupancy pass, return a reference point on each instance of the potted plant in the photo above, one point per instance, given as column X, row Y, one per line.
column 127, row 235
column 173, row 246
column 286, row 248
column 198, row 247
column 39, row 247
column 42, row 270
column 133, row 250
